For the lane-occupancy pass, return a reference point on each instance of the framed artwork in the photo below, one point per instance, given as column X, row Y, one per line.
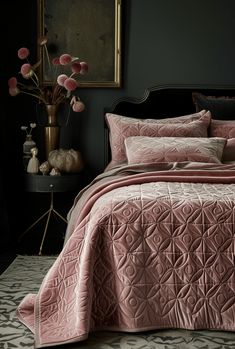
column 88, row 29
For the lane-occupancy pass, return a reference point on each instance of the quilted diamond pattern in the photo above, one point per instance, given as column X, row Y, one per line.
column 166, row 149
column 148, row 255
column 121, row 127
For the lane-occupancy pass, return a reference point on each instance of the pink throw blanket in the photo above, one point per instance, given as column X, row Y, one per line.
column 146, row 247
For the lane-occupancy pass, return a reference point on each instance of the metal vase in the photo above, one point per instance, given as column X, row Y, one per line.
column 52, row 135
column 52, row 130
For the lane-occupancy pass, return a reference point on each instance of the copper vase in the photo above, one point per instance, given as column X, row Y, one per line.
column 52, row 130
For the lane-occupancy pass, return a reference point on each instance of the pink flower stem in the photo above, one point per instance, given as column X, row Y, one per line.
column 57, row 95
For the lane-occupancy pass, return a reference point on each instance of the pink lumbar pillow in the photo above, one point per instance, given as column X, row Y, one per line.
column 174, row 149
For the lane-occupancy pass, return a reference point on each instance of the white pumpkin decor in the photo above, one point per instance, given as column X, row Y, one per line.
column 69, row 161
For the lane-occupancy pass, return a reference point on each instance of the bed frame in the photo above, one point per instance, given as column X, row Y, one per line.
column 162, row 101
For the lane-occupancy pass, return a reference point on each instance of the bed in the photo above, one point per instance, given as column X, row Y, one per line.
column 150, row 241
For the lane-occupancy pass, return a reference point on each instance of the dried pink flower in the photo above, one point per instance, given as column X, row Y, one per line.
column 56, row 61
column 65, row 59
column 84, row 68
column 23, row 53
column 60, row 90
column 26, row 70
column 70, row 84
column 12, row 82
column 78, row 107
column 14, row 91
column 61, row 79
column 76, row 67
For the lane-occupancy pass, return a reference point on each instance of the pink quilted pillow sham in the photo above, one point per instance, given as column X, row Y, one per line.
column 229, row 151
column 184, row 119
column 174, row 149
column 222, row 128
column 121, row 127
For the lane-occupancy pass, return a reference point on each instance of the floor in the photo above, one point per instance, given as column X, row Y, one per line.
column 30, row 244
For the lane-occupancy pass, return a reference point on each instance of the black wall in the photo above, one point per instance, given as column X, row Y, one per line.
column 164, row 42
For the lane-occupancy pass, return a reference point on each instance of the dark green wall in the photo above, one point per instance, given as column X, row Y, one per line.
column 164, row 42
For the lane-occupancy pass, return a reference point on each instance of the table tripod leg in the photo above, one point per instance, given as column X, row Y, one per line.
column 45, row 231
column 34, row 223
column 48, row 213
column 59, row 215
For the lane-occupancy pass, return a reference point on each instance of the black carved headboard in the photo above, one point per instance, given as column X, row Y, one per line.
column 163, row 101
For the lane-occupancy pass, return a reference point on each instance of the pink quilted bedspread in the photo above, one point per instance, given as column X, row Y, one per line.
column 146, row 248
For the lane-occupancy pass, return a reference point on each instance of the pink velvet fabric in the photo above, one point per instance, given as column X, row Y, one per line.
column 141, row 149
column 121, row 127
column 147, row 247
column 225, row 129
column 222, row 128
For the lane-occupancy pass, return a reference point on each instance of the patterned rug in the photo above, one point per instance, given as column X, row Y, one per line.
column 25, row 275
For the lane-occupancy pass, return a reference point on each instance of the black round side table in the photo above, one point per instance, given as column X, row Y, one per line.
column 36, row 183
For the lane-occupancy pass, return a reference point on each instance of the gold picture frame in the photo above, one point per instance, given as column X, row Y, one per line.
column 89, row 29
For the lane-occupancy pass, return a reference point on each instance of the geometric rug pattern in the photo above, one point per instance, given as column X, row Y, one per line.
column 25, row 275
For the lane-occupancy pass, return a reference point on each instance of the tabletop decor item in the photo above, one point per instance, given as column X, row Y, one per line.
column 61, row 90
column 44, row 168
column 66, row 160
column 33, row 164
column 28, row 144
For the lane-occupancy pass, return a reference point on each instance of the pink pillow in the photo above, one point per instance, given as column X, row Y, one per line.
column 229, row 150
column 222, row 128
column 174, row 149
column 121, row 127
column 184, row 119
